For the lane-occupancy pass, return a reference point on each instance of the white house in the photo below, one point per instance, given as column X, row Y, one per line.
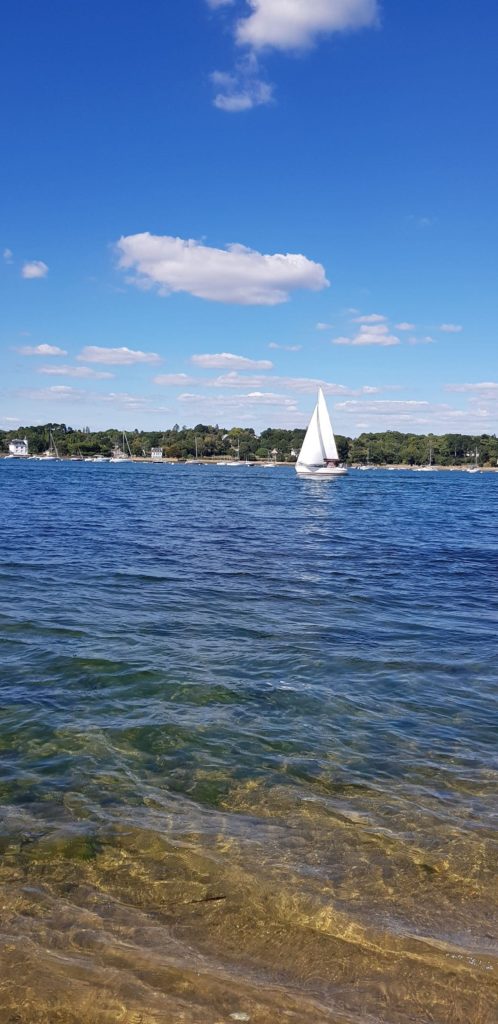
column 156, row 454
column 19, row 447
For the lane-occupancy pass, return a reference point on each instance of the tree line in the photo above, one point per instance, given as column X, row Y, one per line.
column 388, row 447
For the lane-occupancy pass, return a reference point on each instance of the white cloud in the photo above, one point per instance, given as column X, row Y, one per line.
column 451, row 328
column 404, row 326
column 370, row 334
column 81, row 372
column 426, row 340
column 323, row 327
column 285, row 348
column 34, row 269
column 241, row 89
column 116, row 356
column 174, row 379
column 371, row 318
column 235, row 274
column 226, row 360
column 42, row 350
column 8, row 256
column 296, row 24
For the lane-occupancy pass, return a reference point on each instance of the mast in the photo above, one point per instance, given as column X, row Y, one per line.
column 52, row 445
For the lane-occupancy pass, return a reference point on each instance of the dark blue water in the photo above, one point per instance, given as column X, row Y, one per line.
column 248, row 745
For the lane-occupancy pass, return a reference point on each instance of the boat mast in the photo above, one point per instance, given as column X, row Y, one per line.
column 52, row 445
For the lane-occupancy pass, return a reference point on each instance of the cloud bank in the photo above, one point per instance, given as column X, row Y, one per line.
column 235, row 275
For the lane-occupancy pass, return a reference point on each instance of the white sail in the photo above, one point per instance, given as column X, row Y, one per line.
column 326, row 429
column 319, row 443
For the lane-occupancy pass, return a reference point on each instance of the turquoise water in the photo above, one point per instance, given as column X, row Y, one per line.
column 248, row 737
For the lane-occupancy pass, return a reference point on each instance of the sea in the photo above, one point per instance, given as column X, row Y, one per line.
column 248, row 746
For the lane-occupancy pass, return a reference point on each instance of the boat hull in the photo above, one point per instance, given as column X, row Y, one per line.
column 321, row 472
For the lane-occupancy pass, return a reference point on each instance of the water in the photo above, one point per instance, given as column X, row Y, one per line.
column 247, row 746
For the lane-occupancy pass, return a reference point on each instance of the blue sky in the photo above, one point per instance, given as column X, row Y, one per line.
column 208, row 206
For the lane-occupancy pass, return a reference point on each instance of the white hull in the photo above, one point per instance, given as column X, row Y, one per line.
column 323, row 472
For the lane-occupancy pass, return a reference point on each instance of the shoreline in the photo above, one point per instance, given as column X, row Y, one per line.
column 262, row 462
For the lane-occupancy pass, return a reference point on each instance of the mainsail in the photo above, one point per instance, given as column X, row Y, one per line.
column 319, row 444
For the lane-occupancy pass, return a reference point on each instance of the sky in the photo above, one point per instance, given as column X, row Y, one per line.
column 208, row 208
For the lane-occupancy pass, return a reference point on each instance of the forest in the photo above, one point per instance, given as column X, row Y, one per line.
column 389, row 447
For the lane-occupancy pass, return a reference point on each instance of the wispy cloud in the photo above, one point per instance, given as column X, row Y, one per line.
column 370, row 318
column 412, row 414
column 243, row 88
column 174, row 379
column 55, row 392
column 227, row 360
column 422, row 221
column 302, row 385
column 80, row 372
column 285, row 348
column 236, row 274
column 404, row 326
column 8, row 256
column 116, row 356
column 451, row 328
column 426, row 339
column 320, row 326
column 42, row 350
column 484, row 389
column 119, row 400
column 34, row 269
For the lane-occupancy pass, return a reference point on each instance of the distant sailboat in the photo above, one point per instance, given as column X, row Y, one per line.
column 122, row 454
column 430, row 468
column 52, row 450
column 319, row 456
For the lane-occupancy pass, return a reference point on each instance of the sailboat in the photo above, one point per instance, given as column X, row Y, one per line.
column 430, row 467
column 319, row 456
column 52, row 450
column 195, row 461
column 122, row 454
column 475, row 467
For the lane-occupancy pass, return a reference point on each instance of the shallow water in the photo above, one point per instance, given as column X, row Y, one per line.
column 248, row 735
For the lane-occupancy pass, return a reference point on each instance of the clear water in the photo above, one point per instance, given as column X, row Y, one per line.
column 248, row 737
